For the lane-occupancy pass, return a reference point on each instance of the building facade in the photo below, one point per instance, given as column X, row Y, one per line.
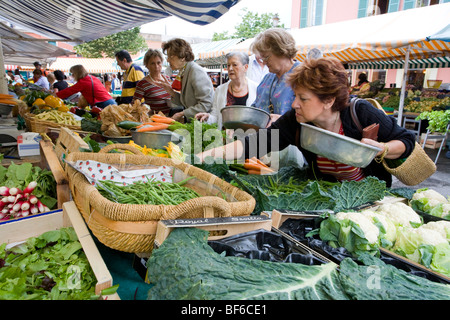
column 308, row 13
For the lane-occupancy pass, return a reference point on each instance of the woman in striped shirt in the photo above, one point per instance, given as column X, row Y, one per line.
column 322, row 99
column 154, row 96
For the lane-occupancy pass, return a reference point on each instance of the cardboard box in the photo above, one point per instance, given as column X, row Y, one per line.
column 28, row 144
column 21, row 229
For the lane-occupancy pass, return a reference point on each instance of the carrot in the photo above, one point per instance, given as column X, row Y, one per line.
column 6, row 96
column 162, row 119
column 254, row 172
column 8, row 101
column 145, row 124
column 155, row 127
column 252, row 166
column 262, row 163
column 250, row 161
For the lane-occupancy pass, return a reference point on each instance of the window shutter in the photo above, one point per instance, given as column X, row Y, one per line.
column 304, row 14
column 362, row 8
column 318, row 19
column 409, row 4
column 394, row 6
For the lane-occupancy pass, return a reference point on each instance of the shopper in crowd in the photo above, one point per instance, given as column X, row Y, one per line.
column 192, row 89
column 60, row 83
column 40, row 79
column 256, row 69
column 322, row 99
column 51, row 79
column 240, row 90
column 89, row 86
column 133, row 74
column 154, row 96
column 276, row 49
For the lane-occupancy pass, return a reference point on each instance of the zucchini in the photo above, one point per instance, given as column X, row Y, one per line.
column 127, row 125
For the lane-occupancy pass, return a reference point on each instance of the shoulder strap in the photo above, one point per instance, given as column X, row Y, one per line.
column 93, row 97
column 353, row 113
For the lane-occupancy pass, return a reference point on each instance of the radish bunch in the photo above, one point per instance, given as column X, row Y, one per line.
column 16, row 203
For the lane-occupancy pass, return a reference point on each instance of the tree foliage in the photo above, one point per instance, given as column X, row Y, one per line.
column 130, row 40
column 252, row 24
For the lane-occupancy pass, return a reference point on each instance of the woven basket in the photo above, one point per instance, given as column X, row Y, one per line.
column 132, row 228
column 417, row 167
column 41, row 126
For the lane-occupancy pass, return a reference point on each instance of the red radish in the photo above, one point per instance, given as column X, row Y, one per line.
column 33, row 199
column 29, row 189
column 4, row 191
column 25, row 206
column 40, row 206
column 25, row 213
column 14, row 191
column 17, row 206
column 11, row 199
column 17, row 197
column 34, row 209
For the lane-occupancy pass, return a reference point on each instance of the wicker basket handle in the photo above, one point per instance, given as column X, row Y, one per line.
column 205, row 203
column 121, row 146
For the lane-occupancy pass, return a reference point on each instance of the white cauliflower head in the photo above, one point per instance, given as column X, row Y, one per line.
column 399, row 213
column 370, row 230
column 443, row 227
column 388, row 225
column 433, row 196
column 430, row 236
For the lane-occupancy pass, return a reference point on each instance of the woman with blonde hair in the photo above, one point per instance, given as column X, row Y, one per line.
column 154, row 96
column 90, row 87
column 276, row 49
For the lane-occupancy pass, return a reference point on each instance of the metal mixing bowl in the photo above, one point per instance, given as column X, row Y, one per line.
column 337, row 147
column 243, row 117
column 156, row 139
column 5, row 109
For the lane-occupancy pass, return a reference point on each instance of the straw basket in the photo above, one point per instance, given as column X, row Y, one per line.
column 41, row 126
column 132, row 227
column 417, row 167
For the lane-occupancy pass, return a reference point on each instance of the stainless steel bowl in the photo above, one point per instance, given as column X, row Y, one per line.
column 5, row 109
column 337, row 147
column 121, row 139
column 243, row 117
column 155, row 140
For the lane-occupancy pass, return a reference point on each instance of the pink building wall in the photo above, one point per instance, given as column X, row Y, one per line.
column 342, row 10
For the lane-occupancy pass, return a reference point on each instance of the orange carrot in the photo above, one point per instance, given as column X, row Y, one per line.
column 154, row 127
column 262, row 163
column 254, row 172
column 252, row 166
column 250, row 161
column 162, row 119
column 145, row 124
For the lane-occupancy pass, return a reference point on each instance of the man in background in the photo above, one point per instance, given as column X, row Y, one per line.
column 133, row 74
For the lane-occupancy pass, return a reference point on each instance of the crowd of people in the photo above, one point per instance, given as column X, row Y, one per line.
column 315, row 91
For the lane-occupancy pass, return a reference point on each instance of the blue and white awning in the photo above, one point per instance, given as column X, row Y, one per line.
column 85, row 20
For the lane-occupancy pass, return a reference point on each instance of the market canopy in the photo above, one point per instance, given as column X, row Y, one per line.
column 212, row 54
column 380, row 37
column 438, row 62
column 85, row 20
column 103, row 65
column 25, row 51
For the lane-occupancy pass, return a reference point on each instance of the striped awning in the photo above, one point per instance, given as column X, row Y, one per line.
column 381, row 37
column 85, row 20
column 105, row 65
column 213, row 53
column 439, row 62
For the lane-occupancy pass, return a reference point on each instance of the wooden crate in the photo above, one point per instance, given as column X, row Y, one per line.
column 50, row 161
column 433, row 142
column 68, row 141
column 69, row 216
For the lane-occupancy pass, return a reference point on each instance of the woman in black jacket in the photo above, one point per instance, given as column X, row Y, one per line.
column 322, row 100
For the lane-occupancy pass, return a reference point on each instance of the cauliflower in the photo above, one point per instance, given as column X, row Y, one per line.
column 443, row 227
column 389, row 231
column 399, row 213
column 434, row 197
column 430, row 236
column 371, row 231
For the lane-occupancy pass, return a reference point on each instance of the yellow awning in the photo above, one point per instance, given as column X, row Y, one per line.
column 105, row 65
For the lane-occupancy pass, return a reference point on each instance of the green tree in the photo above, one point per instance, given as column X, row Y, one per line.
column 252, row 24
column 130, row 40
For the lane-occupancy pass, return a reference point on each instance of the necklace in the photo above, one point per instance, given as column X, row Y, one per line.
column 234, row 93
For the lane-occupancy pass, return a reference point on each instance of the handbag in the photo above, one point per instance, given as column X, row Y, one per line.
column 415, row 169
